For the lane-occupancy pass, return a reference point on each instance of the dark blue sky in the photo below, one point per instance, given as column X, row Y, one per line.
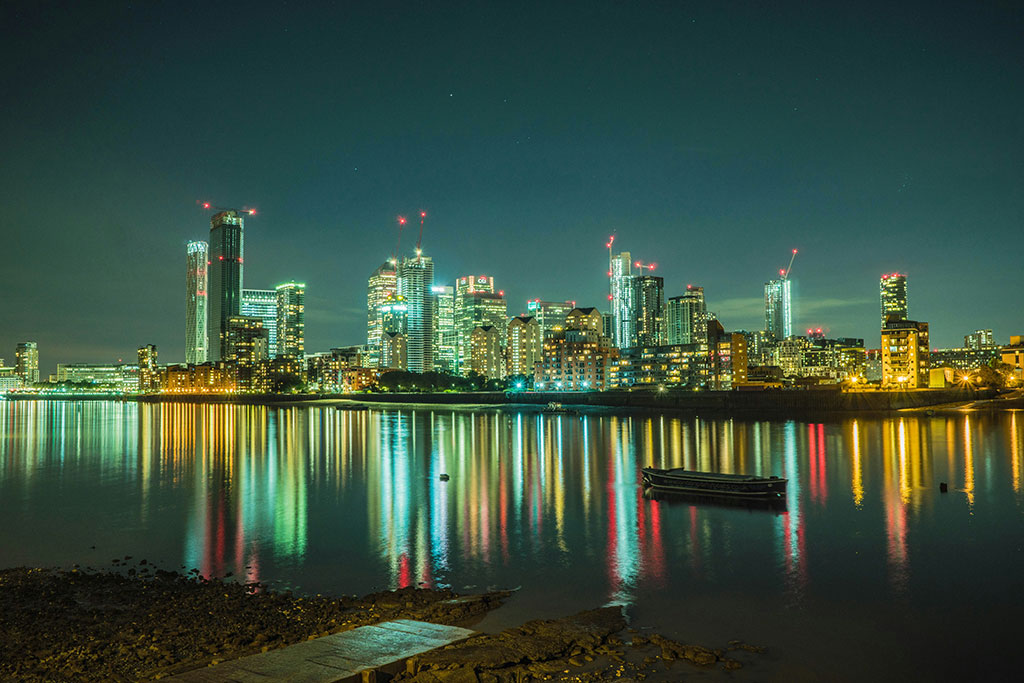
column 711, row 137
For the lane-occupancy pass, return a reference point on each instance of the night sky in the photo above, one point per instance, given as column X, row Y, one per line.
column 712, row 138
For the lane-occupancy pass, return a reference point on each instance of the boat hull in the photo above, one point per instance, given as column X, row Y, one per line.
column 708, row 483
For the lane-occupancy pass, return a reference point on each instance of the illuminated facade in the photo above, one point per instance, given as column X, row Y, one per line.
column 26, row 362
column 394, row 350
column 728, row 361
column 525, row 345
column 149, row 371
column 262, row 304
column 623, row 304
column 394, row 314
column 122, row 377
column 686, row 318
column 224, row 277
column 291, row 320
column 905, row 354
column 670, row 365
column 979, row 339
column 196, row 338
column 577, row 358
column 649, row 310
column 381, row 284
column 778, row 309
column 892, row 289
column 445, row 341
column 485, row 352
column 550, row 315
column 476, row 304
column 415, row 280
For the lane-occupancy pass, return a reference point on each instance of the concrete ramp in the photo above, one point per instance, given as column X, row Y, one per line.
column 354, row 655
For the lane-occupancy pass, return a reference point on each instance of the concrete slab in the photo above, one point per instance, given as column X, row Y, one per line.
column 349, row 656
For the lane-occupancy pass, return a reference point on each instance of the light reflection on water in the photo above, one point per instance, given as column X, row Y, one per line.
column 349, row 501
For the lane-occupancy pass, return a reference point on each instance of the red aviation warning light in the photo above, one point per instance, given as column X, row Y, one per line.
column 207, row 206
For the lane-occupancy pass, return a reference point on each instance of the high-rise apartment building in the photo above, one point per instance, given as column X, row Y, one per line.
column 525, row 344
column 893, row 293
column 687, row 318
column 26, row 362
column 196, row 338
column 623, row 305
column 224, row 277
column 576, row 358
column 394, row 350
column 778, row 309
column 476, row 304
column 291, row 320
column 445, row 340
column 262, row 304
column 549, row 314
column 485, row 352
column 649, row 310
column 149, row 371
column 904, row 354
column 381, row 283
column 415, row 280
column 247, row 345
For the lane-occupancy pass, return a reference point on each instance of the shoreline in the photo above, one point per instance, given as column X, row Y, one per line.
column 101, row 625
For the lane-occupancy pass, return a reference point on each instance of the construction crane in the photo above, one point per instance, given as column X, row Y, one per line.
column 611, row 240
column 423, row 217
column 398, row 245
column 645, row 266
column 785, row 273
column 209, row 207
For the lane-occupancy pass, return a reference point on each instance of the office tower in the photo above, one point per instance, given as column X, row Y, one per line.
column 686, row 318
column 904, row 354
column 445, row 341
column 525, row 345
column 149, row 371
column 224, row 277
column 381, row 283
column 893, row 293
column 485, row 352
column 979, row 339
column 549, row 314
column 394, row 314
column 26, row 362
column 476, row 304
column 262, row 304
column 196, row 339
column 415, row 280
column 623, row 306
column 291, row 320
column 778, row 311
column 649, row 310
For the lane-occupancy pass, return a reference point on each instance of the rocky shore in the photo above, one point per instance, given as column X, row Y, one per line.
column 147, row 623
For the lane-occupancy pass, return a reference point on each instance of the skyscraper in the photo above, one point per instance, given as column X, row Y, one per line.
column 477, row 304
column 197, row 342
column 291, row 320
column 262, row 304
column 892, row 289
column 149, row 371
column 686, row 318
column 26, row 362
column 445, row 342
column 649, row 310
column 778, row 311
column 623, row 306
column 415, row 280
column 381, row 283
column 224, row 277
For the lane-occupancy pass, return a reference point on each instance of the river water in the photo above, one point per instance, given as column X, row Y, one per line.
column 868, row 572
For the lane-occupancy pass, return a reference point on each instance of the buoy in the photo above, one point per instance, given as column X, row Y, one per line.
column 443, row 477
column 942, row 487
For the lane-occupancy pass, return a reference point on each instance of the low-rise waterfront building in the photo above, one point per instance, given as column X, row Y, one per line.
column 905, row 354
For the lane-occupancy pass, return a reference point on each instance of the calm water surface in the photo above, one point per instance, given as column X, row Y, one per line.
column 869, row 572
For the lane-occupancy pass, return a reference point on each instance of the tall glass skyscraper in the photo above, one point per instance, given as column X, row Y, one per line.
column 477, row 305
column 778, row 310
column 225, row 277
column 892, row 289
column 262, row 304
column 445, row 339
column 687, row 318
column 381, row 284
column 649, row 310
column 26, row 355
column 415, row 280
column 291, row 320
column 196, row 338
column 623, row 305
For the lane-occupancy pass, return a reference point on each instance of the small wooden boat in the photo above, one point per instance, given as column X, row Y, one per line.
column 713, row 483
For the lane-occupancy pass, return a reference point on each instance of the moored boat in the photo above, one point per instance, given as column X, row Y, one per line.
column 713, row 483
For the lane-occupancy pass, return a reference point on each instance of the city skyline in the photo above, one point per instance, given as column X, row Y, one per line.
column 711, row 141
